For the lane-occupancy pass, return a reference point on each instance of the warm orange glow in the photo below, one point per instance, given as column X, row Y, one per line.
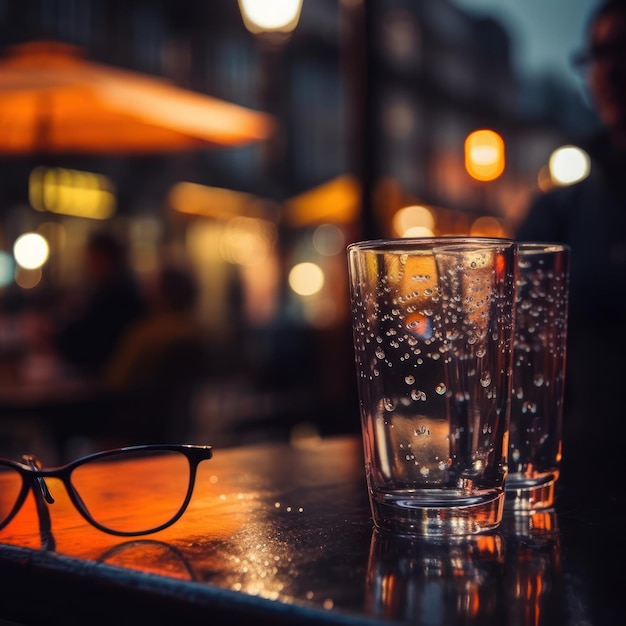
column 336, row 201
column 202, row 200
column 487, row 226
column 544, row 180
column 55, row 101
column 417, row 324
column 500, row 266
column 247, row 241
column 484, row 154
column 414, row 221
column 306, row 279
column 216, row 510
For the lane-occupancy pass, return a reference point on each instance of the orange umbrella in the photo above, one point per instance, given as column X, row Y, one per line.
column 54, row 101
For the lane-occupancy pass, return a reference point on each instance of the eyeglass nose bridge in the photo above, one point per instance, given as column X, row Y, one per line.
column 34, row 463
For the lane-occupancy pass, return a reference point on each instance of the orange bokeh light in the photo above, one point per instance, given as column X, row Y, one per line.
column 484, row 154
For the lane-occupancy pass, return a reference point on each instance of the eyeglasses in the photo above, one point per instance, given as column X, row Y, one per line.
column 105, row 492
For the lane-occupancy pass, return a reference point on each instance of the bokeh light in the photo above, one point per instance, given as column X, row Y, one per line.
column 247, row 240
column 30, row 251
column 484, row 154
column 329, row 240
column 414, row 221
column 569, row 165
column 27, row 278
column 306, row 279
column 544, row 180
column 487, row 226
column 270, row 15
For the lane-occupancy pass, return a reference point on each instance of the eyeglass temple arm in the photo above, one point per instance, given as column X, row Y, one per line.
column 42, row 494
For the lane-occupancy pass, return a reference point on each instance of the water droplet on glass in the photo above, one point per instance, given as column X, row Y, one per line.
column 389, row 404
column 418, row 394
column 440, row 388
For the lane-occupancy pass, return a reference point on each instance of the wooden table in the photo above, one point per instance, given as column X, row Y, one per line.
column 282, row 534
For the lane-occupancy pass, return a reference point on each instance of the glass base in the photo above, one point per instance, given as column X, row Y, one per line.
column 525, row 495
column 437, row 513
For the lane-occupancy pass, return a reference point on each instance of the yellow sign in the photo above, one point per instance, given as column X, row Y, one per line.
column 71, row 192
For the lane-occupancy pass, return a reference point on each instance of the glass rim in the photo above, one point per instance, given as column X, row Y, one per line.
column 406, row 244
column 541, row 247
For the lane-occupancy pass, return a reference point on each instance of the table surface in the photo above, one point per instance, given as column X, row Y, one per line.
column 282, row 534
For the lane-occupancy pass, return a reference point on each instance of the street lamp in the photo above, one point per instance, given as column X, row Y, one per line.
column 270, row 16
column 272, row 22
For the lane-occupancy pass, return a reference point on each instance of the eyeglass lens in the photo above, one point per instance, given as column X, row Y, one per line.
column 148, row 500
column 10, row 487
column 102, row 488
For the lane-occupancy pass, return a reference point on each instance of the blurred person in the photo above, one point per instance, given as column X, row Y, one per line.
column 152, row 374
column 590, row 216
column 112, row 300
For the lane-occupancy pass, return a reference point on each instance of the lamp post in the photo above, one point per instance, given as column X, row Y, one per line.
column 272, row 22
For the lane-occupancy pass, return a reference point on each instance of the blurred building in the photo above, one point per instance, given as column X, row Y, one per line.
column 374, row 101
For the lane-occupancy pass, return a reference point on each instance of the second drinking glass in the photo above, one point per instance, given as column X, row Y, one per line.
column 538, row 375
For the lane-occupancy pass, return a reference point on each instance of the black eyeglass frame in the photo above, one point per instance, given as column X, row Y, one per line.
column 33, row 477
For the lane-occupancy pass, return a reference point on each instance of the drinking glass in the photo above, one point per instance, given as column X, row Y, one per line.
column 433, row 338
column 538, row 376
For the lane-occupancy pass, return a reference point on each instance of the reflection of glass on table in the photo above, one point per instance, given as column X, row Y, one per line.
column 435, row 581
column 533, row 567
